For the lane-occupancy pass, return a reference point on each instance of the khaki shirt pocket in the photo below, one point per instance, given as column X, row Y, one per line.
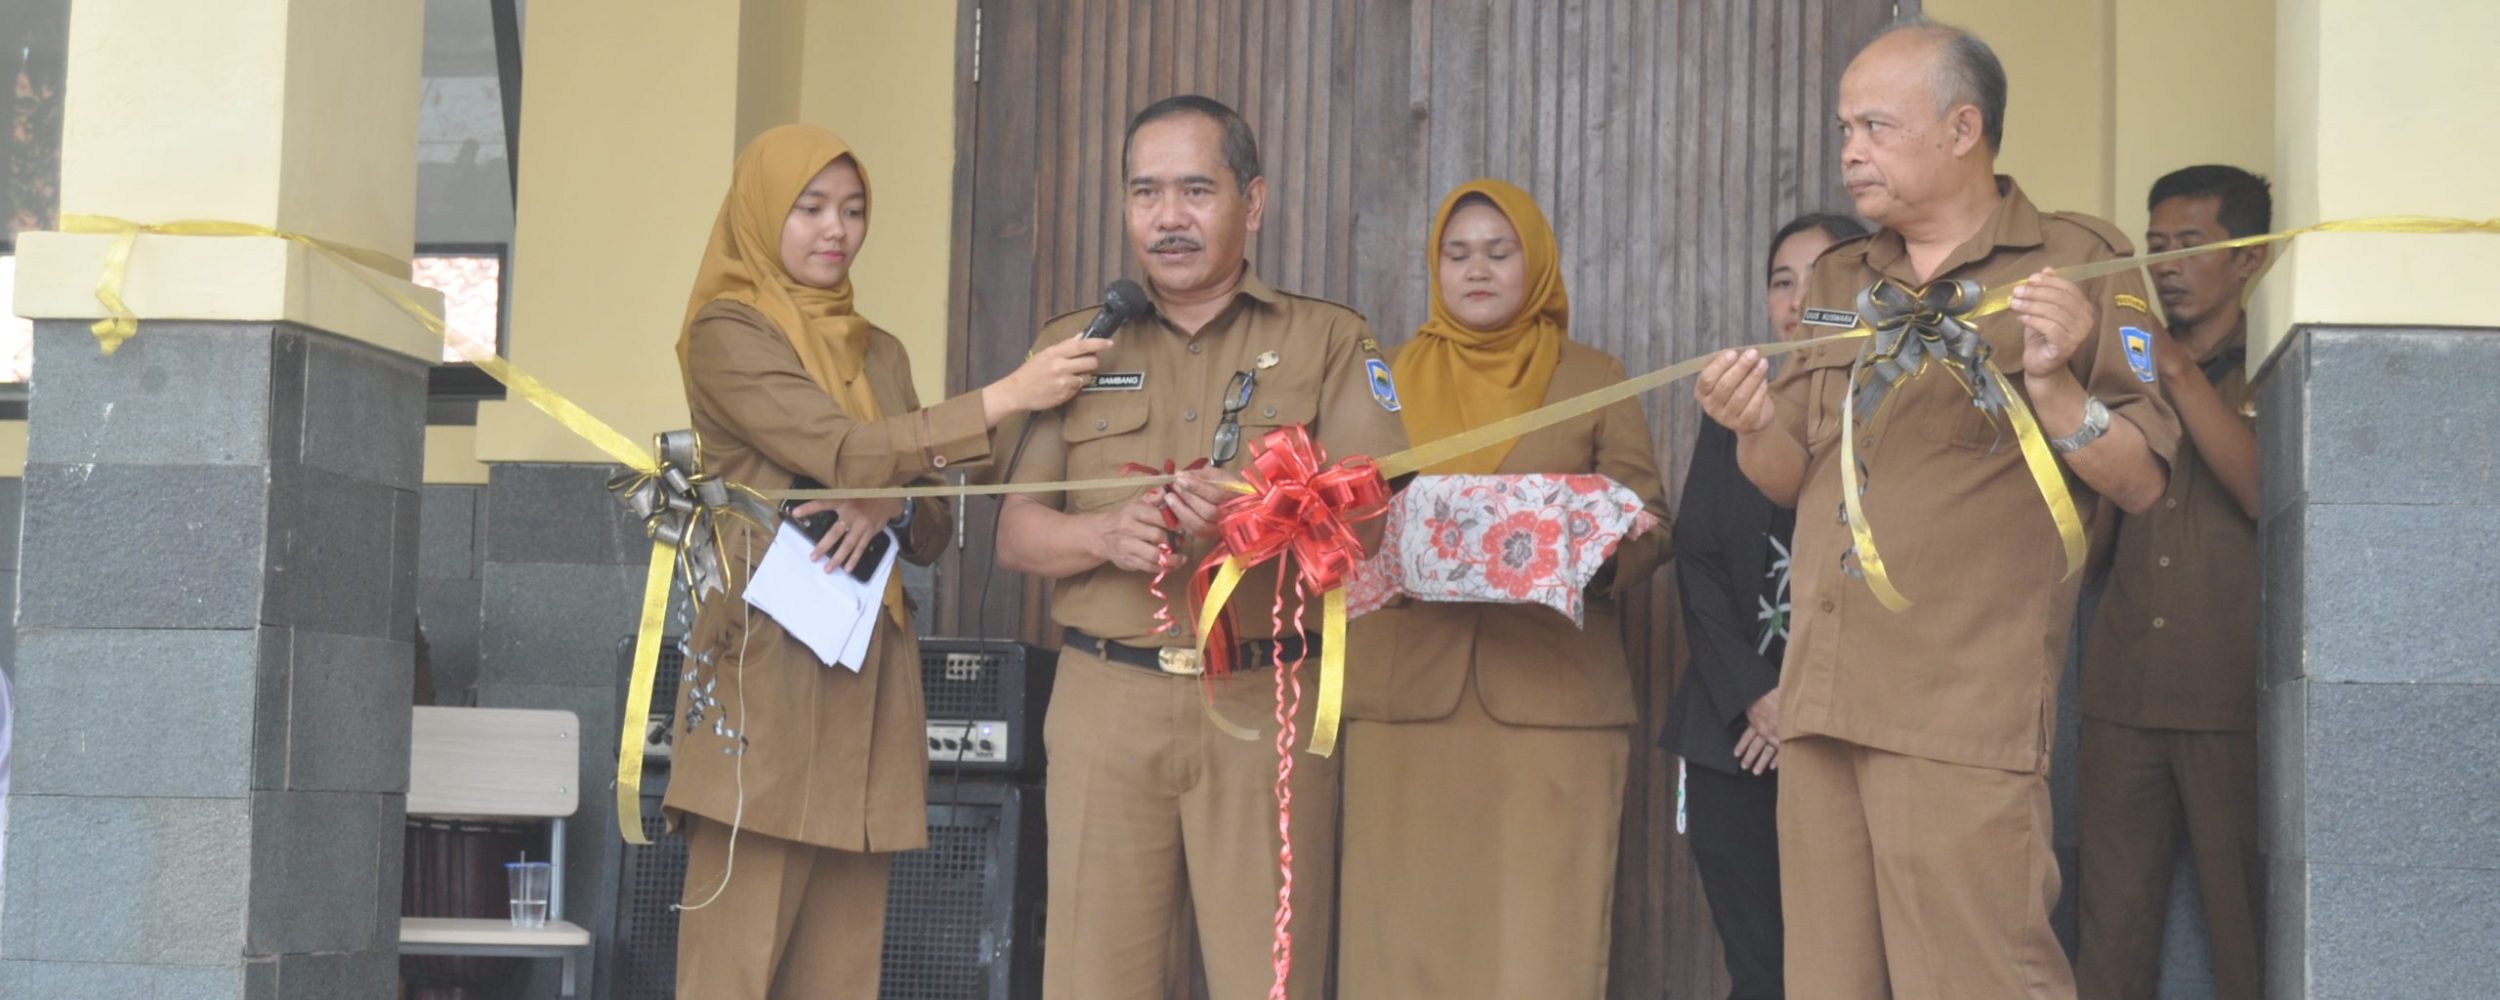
column 1102, row 435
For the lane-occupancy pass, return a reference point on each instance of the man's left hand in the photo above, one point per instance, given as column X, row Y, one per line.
column 1194, row 498
column 2056, row 318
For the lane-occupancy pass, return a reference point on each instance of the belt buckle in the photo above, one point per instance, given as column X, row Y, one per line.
column 1177, row 660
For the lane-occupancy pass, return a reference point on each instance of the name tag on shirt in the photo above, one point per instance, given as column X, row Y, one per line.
column 1831, row 317
column 1116, row 382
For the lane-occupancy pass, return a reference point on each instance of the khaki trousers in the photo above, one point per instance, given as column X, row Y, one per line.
column 1479, row 858
column 1912, row 878
column 2138, row 786
column 1150, row 804
column 796, row 922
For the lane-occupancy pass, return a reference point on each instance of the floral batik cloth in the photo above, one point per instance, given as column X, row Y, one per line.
column 1528, row 539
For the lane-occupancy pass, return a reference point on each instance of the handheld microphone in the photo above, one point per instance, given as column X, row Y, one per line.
column 1121, row 302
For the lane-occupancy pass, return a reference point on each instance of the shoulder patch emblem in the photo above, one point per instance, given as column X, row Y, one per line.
column 1383, row 389
column 2126, row 301
column 1831, row 317
column 2139, row 347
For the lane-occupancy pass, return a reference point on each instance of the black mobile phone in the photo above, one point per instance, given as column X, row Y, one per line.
column 815, row 525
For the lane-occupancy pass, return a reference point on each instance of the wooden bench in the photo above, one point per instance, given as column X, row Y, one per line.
column 498, row 764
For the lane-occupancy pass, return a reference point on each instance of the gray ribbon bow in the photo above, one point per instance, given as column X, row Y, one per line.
column 1913, row 328
column 681, row 507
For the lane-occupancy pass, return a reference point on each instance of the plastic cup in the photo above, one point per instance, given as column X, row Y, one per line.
column 532, row 882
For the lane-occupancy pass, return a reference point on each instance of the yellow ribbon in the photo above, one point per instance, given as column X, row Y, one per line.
column 120, row 322
column 1220, row 593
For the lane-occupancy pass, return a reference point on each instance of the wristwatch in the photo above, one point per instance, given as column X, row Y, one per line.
column 2095, row 424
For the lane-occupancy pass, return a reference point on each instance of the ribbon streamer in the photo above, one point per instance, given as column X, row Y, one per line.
column 120, row 322
column 681, row 509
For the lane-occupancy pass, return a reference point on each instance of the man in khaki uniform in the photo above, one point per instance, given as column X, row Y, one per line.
column 1149, row 802
column 1914, row 806
column 2170, row 666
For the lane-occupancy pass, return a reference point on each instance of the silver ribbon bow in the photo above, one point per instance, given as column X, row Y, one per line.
column 1913, row 328
column 681, row 507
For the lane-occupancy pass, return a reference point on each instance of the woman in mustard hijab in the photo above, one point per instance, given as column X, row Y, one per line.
column 796, row 781
column 1488, row 743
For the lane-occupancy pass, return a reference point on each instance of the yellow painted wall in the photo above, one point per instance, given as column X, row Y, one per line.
column 2194, row 84
column 630, row 122
column 629, row 115
column 881, row 74
column 2060, row 125
column 2385, row 109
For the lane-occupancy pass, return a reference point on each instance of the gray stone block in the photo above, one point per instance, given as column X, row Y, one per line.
column 2282, row 765
column 449, row 611
column 12, row 503
column 2384, row 931
column 447, row 540
column 363, row 975
column 2403, row 774
column 2282, row 426
column 405, row 510
column 2187, row 951
column 347, row 714
column 141, row 881
column 287, row 352
column 2286, row 954
column 556, row 624
column 364, row 411
column 178, row 393
column 548, row 513
column 334, row 558
column 2375, row 394
column 317, row 870
column 135, row 712
column 2283, row 597
column 271, row 699
column 2389, row 582
column 143, row 546
column 115, row 981
column 8, row 631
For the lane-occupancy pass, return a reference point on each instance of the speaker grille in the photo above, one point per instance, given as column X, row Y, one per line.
column 961, row 685
column 939, row 938
column 646, row 939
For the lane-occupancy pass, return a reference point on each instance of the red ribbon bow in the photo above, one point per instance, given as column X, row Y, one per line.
column 1298, row 503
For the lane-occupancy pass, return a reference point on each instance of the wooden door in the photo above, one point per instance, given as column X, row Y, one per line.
column 1666, row 140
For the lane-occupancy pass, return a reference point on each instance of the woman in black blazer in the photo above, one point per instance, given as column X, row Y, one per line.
column 1732, row 567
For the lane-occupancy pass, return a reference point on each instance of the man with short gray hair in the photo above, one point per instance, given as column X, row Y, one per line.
column 1914, row 739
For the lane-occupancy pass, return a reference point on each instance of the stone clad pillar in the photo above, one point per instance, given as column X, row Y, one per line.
column 219, row 553
column 2379, row 437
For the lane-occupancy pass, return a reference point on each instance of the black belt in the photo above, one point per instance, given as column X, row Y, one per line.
column 1183, row 661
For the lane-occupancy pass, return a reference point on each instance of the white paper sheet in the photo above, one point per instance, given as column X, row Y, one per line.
column 833, row 614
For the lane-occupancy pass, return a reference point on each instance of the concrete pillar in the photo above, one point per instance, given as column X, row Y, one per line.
column 219, row 554
column 2380, row 438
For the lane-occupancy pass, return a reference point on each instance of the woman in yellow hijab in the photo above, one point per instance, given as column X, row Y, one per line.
column 1488, row 743
column 796, row 781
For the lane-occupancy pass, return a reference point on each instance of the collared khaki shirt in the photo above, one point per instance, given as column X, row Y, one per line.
column 815, row 754
column 1159, row 395
column 2174, row 643
column 1968, row 673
